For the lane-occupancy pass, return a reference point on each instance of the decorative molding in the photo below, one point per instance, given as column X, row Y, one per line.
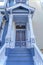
column 22, row 5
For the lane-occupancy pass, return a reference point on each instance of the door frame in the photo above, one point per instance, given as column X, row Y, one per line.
column 22, row 42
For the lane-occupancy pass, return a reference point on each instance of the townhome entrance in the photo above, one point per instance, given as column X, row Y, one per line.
column 20, row 36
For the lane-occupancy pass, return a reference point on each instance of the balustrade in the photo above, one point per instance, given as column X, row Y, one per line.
column 2, row 55
column 38, row 58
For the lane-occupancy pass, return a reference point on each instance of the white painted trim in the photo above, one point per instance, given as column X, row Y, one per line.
column 3, row 58
column 3, row 61
column 9, row 26
column 41, row 55
column 38, row 58
column 19, row 14
column 34, row 60
column 28, row 44
column 23, row 5
column 31, row 26
column 14, row 2
column 2, row 48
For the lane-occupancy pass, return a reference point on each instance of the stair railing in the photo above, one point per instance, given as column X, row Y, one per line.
column 38, row 58
column 2, row 55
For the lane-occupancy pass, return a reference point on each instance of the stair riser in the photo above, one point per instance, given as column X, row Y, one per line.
column 19, row 55
column 18, row 51
column 20, row 59
column 20, row 63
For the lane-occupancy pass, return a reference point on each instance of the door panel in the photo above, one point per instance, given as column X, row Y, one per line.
column 23, row 35
column 23, row 39
column 20, row 38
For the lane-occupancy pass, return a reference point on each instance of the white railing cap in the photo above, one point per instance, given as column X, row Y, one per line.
column 2, row 48
column 41, row 55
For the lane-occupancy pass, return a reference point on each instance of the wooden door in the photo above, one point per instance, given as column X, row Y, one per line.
column 20, row 38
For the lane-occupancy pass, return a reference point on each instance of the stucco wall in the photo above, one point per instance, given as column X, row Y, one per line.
column 38, row 22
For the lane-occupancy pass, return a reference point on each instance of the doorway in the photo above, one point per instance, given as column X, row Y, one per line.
column 20, row 36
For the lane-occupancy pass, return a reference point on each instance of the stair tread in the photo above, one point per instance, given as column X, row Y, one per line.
column 20, row 63
column 19, row 57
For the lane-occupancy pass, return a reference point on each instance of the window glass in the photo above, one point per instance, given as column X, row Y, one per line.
column 21, row 27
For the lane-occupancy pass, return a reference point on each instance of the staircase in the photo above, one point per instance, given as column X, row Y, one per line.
column 19, row 56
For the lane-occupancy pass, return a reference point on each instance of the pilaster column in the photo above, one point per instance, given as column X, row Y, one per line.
column 32, row 37
column 8, row 36
column 13, row 35
column 27, row 35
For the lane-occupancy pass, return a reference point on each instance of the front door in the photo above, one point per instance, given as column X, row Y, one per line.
column 20, row 37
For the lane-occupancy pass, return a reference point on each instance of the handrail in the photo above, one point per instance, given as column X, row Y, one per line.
column 36, row 47
column 38, row 58
column 2, row 52
column 2, row 48
column 3, row 57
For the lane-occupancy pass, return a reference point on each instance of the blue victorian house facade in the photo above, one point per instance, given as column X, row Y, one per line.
column 17, row 41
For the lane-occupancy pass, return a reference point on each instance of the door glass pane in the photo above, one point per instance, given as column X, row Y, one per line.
column 21, row 27
column 17, row 35
column 23, row 36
